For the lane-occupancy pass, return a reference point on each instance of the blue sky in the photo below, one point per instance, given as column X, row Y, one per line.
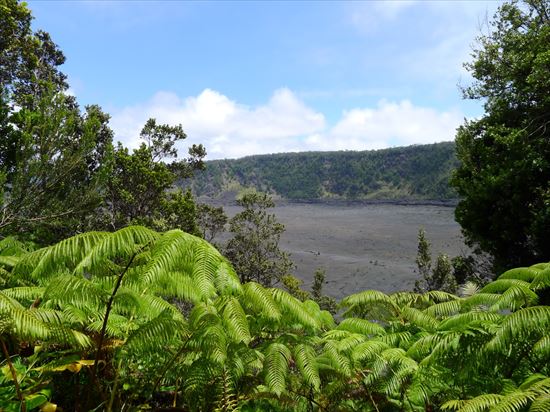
column 263, row 77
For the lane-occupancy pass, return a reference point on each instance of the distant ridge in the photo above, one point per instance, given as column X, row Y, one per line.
column 419, row 172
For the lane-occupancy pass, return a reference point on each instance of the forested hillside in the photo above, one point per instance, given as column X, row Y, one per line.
column 414, row 172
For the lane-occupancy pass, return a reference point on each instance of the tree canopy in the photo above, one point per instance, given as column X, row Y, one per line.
column 504, row 173
column 60, row 173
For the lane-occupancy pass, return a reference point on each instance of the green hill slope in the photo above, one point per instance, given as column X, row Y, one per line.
column 417, row 172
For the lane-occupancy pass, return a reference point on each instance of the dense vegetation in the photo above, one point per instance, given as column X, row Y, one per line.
column 60, row 173
column 504, row 175
column 138, row 319
column 151, row 316
column 414, row 172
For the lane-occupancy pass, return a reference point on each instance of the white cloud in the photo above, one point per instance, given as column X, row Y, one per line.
column 284, row 124
column 227, row 129
column 394, row 124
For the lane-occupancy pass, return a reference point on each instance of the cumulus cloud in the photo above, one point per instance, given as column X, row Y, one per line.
column 228, row 129
column 284, row 124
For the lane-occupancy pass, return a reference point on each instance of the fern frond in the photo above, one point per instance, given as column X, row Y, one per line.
column 10, row 246
column 444, row 309
column 502, row 285
column 419, row 318
column 514, row 402
column 397, row 339
column 260, row 300
column 340, row 363
column 155, row 333
column 122, row 244
column 226, row 279
column 128, row 302
column 424, row 346
column 235, row 321
column 481, row 403
column 154, row 306
column 541, row 404
column 66, row 254
column 293, row 308
column 481, row 300
column 22, row 322
column 453, row 405
column 9, row 261
column 306, row 362
column 178, row 284
column 363, row 326
column 351, row 342
column 76, row 291
column 171, row 252
column 542, row 347
column 461, row 321
column 468, row 289
column 365, row 298
column 29, row 293
column 523, row 274
column 439, row 296
column 516, row 297
column 205, row 267
column 276, row 363
column 521, row 323
column 117, row 326
column 542, row 280
column 178, row 251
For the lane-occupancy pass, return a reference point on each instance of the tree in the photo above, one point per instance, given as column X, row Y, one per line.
column 54, row 162
column 254, row 248
column 211, row 220
column 505, row 156
column 141, row 187
column 442, row 276
column 54, row 157
column 29, row 61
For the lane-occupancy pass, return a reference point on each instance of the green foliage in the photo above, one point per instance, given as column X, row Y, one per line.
column 443, row 276
column 254, row 248
column 139, row 188
column 101, row 302
column 415, row 172
column 211, row 220
column 504, row 156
